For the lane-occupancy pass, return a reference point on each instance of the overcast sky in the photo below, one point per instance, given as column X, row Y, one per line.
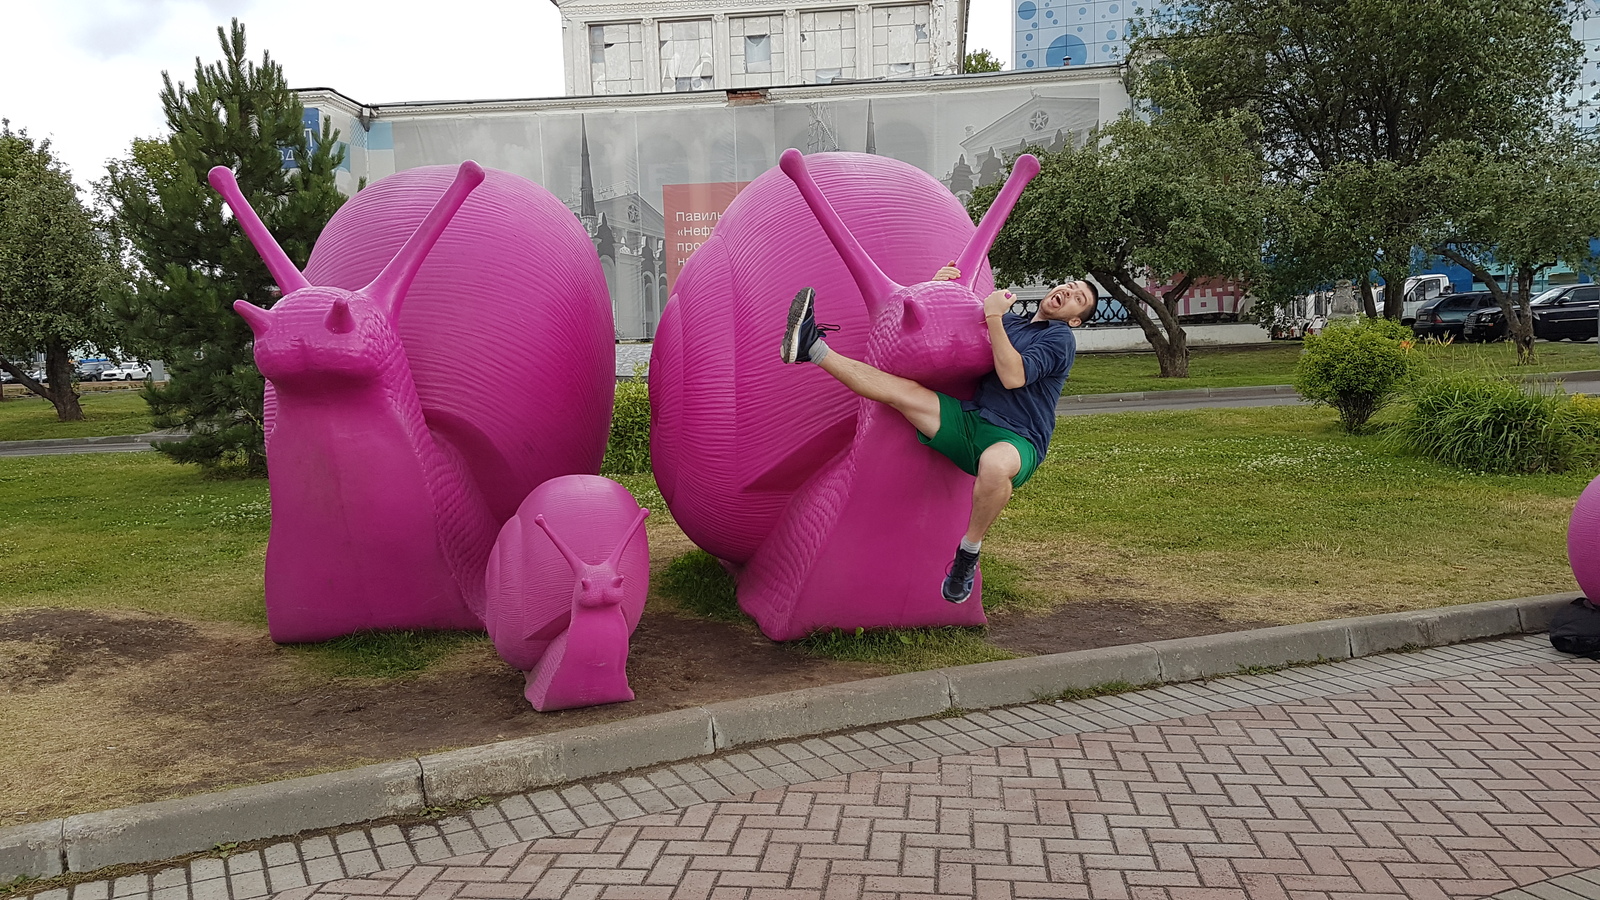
column 87, row 73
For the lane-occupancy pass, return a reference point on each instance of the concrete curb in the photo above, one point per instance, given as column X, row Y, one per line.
column 1231, row 393
column 147, row 438
column 175, row 827
column 157, row 831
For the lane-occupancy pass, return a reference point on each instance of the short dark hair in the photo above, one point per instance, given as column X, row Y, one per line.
column 1094, row 303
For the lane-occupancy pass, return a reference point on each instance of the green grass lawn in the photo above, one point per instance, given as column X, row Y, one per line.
column 1274, row 514
column 1109, row 373
column 131, row 531
column 1265, row 514
column 105, row 413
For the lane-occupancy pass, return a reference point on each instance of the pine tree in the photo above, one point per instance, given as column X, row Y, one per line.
column 195, row 264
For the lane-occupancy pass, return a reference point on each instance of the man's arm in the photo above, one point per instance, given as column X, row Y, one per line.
column 1007, row 361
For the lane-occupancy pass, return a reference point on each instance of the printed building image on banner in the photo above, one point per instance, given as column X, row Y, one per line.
column 650, row 185
column 691, row 212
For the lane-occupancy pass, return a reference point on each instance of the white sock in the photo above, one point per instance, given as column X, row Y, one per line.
column 819, row 350
column 971, row 546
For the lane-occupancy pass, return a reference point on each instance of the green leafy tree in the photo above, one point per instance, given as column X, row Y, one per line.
column 1523, row 210
column 1149, row 208
column 194, row 264
column 57, row 268
column 1355, row 220
column 981, row 60
column 1368, row 89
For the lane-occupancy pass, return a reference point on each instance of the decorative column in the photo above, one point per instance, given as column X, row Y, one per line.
column 791, row 46
column 652, row 56
column 942, row 37
column 721, row 58
column 575, row 37
column 866, row 63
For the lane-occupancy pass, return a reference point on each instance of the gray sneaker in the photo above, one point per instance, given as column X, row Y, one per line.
column 959, row 579
column 803, row 329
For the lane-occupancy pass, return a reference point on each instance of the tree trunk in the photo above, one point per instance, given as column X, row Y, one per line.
column 1167, row 339
column 1394, row 297
column 1513, row 306
column 1174, row 358
column 23, row 379
column 58, row 366
column 1521, row 327
column 1368, row 305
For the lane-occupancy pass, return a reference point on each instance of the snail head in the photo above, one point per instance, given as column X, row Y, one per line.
column 320, row 332
column 931, row 332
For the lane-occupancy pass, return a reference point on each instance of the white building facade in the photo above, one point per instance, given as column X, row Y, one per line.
column 673, row 46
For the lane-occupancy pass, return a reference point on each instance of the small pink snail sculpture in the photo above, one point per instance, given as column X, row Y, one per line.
column 554, row 614
column 392, row 468
column 824, row 504
column 1583, row 541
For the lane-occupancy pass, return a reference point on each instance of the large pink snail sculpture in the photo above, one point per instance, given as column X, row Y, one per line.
column 392, row 465
column 824, row 504
column 567, row 583
column 1583, row 541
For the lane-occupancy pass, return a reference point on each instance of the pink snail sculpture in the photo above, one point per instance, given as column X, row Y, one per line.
column 825, row 506
column 1583, row 541
column 392, row 465
column 566, row 583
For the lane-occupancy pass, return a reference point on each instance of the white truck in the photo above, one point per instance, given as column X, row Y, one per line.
column 1419, row 289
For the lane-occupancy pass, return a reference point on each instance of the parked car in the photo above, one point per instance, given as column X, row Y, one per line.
column 90, row 369
column 1484, row 325
column 1446, row 316
column 1567, row 313
column 126, row 372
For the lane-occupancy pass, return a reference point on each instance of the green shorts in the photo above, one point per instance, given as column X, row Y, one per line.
column 964, row 435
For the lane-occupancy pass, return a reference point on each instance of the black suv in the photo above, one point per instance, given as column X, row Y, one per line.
column 1567, row 312
column 1447, row 315
column 1561, row 312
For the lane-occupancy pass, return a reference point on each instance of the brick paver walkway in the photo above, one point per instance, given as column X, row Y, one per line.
column 1459, row 772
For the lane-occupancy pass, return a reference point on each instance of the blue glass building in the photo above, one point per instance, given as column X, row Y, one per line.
column 1048, row 34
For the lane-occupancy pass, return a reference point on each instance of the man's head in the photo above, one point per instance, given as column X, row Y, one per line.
column 1072, row 302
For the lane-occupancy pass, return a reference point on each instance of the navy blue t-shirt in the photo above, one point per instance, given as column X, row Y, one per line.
column 1047, row 350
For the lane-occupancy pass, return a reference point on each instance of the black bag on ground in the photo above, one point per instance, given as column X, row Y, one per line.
column 1575, row 628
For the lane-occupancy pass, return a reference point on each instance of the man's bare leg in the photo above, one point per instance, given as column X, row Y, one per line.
column 919, row 405
column 998, row 464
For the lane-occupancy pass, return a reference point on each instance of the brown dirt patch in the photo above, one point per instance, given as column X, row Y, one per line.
column 44, row 646
column 1105, row 623
column 104, row 710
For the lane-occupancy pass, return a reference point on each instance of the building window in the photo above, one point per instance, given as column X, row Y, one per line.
column 827, row 45
column 900, row 42
column 686, row 58
column 616, row 58
column 755, row 51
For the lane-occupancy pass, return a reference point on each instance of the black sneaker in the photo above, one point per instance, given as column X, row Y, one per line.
column 959, row 577
column 803, row 329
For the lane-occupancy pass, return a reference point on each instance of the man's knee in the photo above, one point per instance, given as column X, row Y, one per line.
column 999, row 463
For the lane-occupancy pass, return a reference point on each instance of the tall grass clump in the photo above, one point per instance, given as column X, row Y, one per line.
column 628, row 446
column 1355, row 366
column 1498, row 425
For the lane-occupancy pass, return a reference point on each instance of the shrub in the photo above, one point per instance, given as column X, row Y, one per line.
column 1355, row 366
column 1497, row 425
column 628, row 447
